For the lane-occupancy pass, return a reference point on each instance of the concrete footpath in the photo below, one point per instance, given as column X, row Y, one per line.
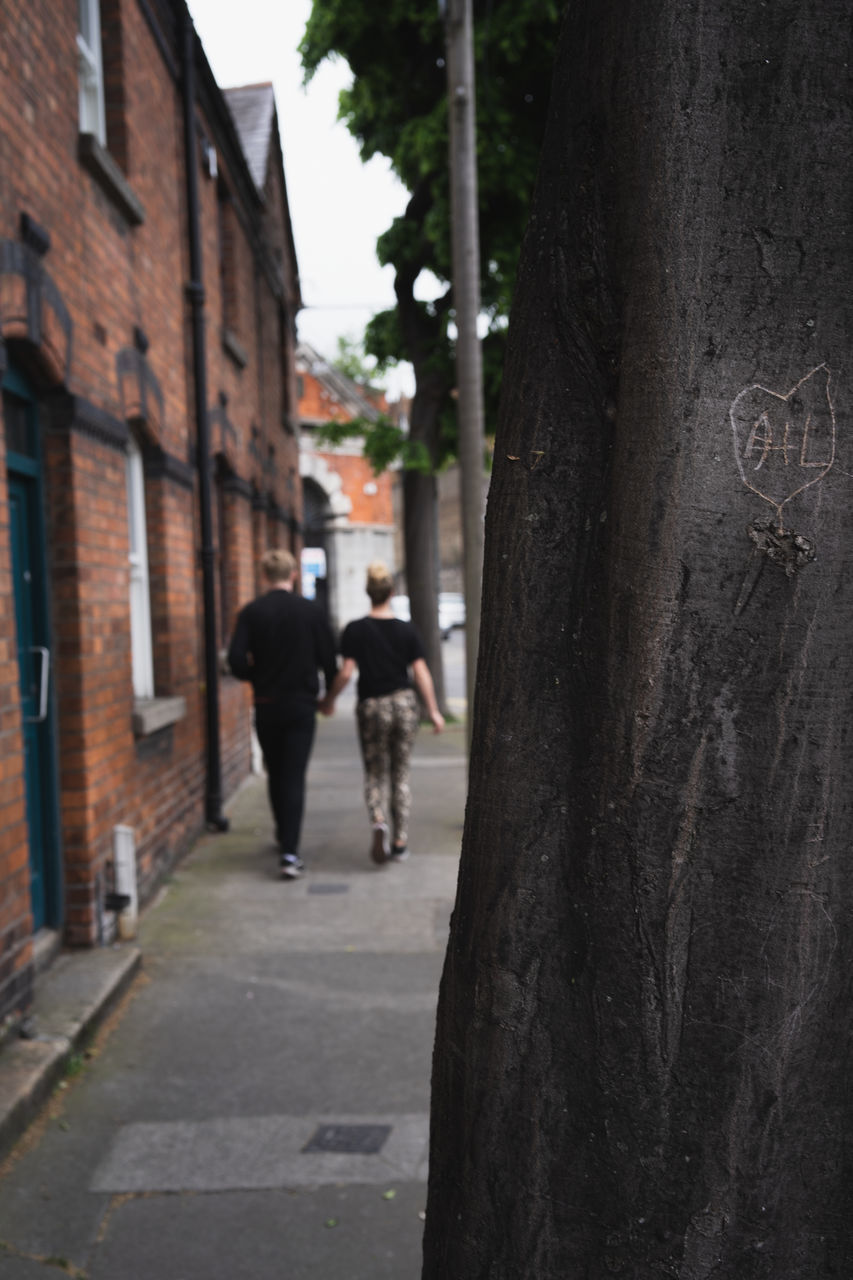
column 256, row 1104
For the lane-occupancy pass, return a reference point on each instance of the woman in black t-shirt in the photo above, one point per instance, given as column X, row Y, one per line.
column 385, row 650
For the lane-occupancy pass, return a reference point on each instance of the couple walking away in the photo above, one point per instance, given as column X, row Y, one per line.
column 280, row 643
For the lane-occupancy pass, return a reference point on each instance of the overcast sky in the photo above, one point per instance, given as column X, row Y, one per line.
column 338, row 206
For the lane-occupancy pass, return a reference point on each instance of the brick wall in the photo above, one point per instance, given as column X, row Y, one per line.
column 109, row 352
column 369, row 494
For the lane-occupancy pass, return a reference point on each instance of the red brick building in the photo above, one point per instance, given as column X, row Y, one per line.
column 148, row 450
column 348, row 509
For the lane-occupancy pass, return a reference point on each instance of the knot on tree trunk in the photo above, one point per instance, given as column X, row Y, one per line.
column 783, row 547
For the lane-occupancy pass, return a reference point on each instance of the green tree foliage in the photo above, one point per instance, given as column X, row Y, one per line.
column 351, row 362
column 384, row 441
column 397, row 107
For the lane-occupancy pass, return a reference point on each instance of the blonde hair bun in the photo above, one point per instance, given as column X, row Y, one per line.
column 380, row 584
column 378, row 572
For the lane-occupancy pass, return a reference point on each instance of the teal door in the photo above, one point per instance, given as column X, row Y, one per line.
column 34, row 651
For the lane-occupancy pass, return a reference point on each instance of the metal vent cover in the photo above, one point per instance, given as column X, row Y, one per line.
column 349, row 1139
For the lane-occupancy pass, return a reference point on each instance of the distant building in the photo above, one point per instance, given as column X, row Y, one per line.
column 348, row 510
column 148, row 450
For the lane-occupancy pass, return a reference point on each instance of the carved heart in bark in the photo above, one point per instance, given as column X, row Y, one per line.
column 784, row 443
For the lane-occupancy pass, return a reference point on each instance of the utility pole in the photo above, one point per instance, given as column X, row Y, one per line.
column 459, row 28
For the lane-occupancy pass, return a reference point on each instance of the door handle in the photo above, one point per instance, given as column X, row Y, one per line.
column 44, row 684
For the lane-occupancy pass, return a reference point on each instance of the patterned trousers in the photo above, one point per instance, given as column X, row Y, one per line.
column 386, row 729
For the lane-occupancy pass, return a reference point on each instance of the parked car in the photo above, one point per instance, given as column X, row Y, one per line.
column 451, row 611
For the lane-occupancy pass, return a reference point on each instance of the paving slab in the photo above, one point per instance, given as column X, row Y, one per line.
column 242, row 1153
column 349, row 1231
column 17, row 1268
column 260, row 1107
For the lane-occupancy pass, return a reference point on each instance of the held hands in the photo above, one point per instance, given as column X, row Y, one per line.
column 326, row 705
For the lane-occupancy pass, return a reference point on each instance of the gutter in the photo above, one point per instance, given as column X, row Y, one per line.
column 195, row 292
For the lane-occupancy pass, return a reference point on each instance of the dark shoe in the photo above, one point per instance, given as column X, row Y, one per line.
column 399, row 853
column 291, row 866
column 380, row 848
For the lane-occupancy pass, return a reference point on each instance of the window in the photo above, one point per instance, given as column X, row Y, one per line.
column 103, row 142
column 140, row 598
column 91, row 70
column 228, row 228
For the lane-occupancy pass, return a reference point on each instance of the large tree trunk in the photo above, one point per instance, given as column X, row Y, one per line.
column 420, row 539
column 420, row 488
column 643, row 1043
column 420, row 533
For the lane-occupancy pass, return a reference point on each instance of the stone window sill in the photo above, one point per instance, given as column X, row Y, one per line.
column 110, row 178
column 152, row 714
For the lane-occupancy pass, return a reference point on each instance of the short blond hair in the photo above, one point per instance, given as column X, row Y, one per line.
column 380, row 584
column 278, row 565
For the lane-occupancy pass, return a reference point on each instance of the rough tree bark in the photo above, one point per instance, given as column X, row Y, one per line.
column 643, row 1048
column 420, row 541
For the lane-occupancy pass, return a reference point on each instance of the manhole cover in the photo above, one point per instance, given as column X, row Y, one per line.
column 352, row 1139
column 328, row 888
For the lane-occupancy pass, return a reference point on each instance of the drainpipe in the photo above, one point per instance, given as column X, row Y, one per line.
column 195, row 292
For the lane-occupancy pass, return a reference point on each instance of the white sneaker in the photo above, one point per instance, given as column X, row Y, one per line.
column 291, row 866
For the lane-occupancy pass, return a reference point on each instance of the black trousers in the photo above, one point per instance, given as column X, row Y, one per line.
column 286, row 735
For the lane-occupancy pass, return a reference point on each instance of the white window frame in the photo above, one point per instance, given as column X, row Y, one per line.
column 141, row 646
column 90, row 70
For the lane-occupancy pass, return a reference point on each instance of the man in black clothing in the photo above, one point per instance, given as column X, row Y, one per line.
column 279, row 643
